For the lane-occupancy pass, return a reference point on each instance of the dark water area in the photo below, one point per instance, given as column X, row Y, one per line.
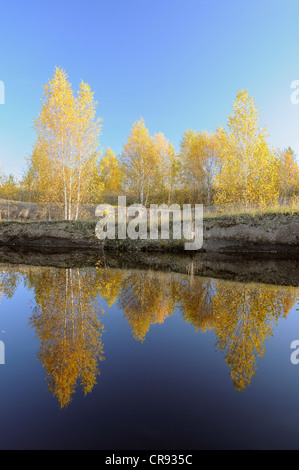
column 118, row 357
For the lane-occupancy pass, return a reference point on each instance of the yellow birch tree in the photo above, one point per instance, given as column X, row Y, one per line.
column 110, row 174
column 67, row 133
column 248, row 171
column 141, row 162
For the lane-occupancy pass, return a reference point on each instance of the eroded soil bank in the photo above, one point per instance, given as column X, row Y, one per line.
column 268, row 233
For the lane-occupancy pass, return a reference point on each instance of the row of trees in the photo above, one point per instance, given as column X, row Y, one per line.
column 233, row 165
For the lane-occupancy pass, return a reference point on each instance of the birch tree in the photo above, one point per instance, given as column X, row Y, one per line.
column 110, row 173
column 67, row 133
column 136, row 157
column 164, row 175
column 149, row 164
column 199, row 155
column 248, row 171
column 289, row 173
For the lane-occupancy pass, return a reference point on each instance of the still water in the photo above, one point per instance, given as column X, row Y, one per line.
column 107, row 358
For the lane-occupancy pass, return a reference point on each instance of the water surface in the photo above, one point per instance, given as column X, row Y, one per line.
column 109, row 358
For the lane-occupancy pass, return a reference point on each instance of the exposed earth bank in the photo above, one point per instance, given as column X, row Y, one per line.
column 268, row 233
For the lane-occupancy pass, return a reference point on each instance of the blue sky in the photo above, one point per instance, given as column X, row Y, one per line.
column 176, row 63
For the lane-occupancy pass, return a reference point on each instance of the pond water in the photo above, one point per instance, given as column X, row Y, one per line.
column 109, row 358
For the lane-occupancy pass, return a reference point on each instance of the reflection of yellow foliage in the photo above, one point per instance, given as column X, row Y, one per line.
column 246, row 314
column 110, row 285
column 9, row 280
column 146, row 299
column 242, row 316
column 162, row 314
column 65, row 321
column 196, row 302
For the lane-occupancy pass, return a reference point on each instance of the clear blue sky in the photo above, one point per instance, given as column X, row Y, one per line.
column 176, row 63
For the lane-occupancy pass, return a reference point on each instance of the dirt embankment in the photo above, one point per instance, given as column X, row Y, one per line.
column 270, row 233
column 267, row 233
column 50, row 234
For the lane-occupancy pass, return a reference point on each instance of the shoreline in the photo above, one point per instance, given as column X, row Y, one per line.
column 265, row 269
column 239, row 234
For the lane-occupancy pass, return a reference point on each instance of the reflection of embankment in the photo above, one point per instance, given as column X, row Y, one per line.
column 267, row 269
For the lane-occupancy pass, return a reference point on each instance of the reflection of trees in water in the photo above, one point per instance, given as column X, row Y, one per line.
column 66, row 321
column 145, row 297
column 65, row 318
column 67, row 324
column 246, row 315
column 9, row 281
column 242, row 316
column 195, row 301
column 110, row 284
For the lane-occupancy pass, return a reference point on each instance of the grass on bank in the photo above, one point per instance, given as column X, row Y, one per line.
column 231, row 214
